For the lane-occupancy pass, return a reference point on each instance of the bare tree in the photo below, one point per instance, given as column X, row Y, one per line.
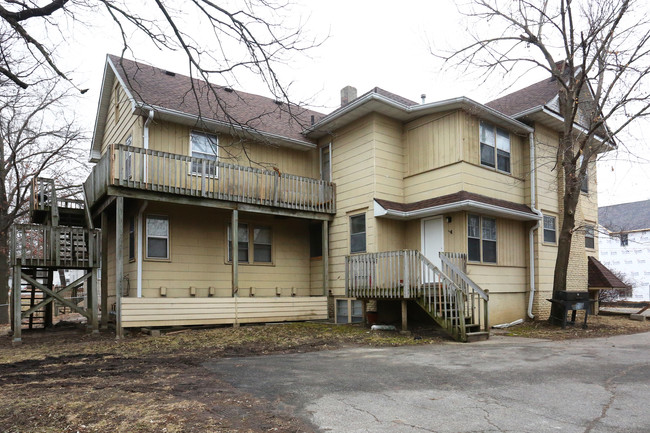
column 217, row 38
column 38, row 138
column 598, row 52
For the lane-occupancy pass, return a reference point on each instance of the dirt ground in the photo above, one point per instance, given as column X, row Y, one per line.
column 68, row 381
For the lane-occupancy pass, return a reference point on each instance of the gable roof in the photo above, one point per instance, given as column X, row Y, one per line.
column 600, row 276
column 194, row 102
column 539, row 94
column 625, row 217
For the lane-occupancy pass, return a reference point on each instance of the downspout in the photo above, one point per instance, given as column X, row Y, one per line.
column 531, row 239
column 144, row 204
column 140, row 247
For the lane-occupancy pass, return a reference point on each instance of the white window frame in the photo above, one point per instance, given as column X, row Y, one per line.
column 482, row 239
column 590, row 233
column 250, row 243
column 553, row 229
column 365, row 232
column 327, row 149
column 203, row 155
column 495, row 146
column 167, row 238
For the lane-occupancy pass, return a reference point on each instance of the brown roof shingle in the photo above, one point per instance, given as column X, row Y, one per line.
column 540, row 93
column 159, row 88
column 601, row 276
column 453, row 198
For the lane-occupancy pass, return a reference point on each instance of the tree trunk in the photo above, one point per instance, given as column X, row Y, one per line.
column 4, row 277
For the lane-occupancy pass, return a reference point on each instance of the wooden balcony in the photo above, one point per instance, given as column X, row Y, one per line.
column 45, row 246
column 161, row 172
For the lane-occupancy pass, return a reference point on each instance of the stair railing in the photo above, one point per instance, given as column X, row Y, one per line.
column 408, row 274
column 476, row 308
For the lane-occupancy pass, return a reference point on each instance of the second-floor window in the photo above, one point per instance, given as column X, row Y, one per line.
column 325, row 163
column 549, row 229
column 495, row 147
column 204, row 146
column 481, row 239
column 589, row 237
column 584, row 185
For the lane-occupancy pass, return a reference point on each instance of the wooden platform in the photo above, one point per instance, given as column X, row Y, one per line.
column 138, row 312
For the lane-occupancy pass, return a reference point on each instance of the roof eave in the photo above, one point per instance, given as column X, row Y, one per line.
column 464, row 205
column 217, row 125
column 322, row 127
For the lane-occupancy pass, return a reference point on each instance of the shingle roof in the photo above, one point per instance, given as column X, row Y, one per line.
column 625, row 217
column 392, row 96
column 600, row 276
column 540, row 93
column 452, row 198
column 159, row 88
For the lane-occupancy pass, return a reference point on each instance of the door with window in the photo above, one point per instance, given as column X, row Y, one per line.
column 433, row 239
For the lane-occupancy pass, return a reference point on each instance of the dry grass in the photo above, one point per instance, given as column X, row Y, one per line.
column 598, row 326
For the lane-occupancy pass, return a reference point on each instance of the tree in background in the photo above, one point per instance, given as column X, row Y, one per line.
column 598, row 52
column 38, row 138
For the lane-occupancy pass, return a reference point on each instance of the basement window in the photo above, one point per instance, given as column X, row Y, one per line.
column 349, row 311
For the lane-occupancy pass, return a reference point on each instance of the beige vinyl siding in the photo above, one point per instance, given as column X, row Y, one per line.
column 431, row 142
column 175, row 138
column 353, row 172
column 127, row 123
column 198, row 255
column 137, row 312
column 456, row 232
column 390, row 235
column 434, row 183
column 389, row 165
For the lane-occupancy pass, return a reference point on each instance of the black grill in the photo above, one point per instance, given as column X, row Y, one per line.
column 571, row 301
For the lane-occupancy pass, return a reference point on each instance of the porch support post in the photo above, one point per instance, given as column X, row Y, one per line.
column 119, row 265
column 49, row 308
column 325, row 255
column 234, row 236
column 15, row 297
column 92, row 301
column 104, row 270
column 404, row 318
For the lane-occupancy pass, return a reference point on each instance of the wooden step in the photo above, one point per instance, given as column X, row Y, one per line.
column 477, row 336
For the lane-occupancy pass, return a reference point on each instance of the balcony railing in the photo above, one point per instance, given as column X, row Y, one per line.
column 50, row 246
column 151, row 170
column 44, row 194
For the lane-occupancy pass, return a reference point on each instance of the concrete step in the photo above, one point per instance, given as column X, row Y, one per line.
column 477, row 336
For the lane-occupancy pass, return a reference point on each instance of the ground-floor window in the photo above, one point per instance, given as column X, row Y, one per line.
column 254, row 242
column 157, row 237
column 349, row 311
column 358, row 233
column 481, row 239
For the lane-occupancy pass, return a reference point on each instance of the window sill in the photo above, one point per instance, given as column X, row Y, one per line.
column 270, row 264
column 469, row 262
column 154, row 259
column 496, row 170
column 549, row 244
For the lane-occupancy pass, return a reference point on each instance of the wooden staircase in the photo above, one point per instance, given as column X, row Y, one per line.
column 460, row 308
column 58, row 238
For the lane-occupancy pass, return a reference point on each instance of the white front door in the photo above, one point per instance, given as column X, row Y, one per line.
column 433, row 239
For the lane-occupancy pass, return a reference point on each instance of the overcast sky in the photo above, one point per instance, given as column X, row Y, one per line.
column 371, row 43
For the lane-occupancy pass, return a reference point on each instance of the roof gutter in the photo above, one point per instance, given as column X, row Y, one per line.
column 462, row 101
column 221, row 124
column 380, row 211
column 545, row 110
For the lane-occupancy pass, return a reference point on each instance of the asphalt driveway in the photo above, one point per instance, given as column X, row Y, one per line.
column 503, row 385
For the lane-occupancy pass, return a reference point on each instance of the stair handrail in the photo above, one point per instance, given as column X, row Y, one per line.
column 463, row 276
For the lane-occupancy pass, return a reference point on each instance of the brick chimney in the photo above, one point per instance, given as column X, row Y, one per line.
column 348, row 94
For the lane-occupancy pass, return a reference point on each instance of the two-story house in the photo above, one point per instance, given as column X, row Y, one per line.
column 228, row 207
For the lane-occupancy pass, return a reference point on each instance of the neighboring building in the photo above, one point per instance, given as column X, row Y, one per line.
column 240, row 208
column 625, row 244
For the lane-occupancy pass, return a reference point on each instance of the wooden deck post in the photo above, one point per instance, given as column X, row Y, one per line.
column 92, row 301
column 15, row 297
column 325, row 254
column 234, row 236
column 104, row 270
column 119, row 265
column 49, row 308
column 404, row 318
